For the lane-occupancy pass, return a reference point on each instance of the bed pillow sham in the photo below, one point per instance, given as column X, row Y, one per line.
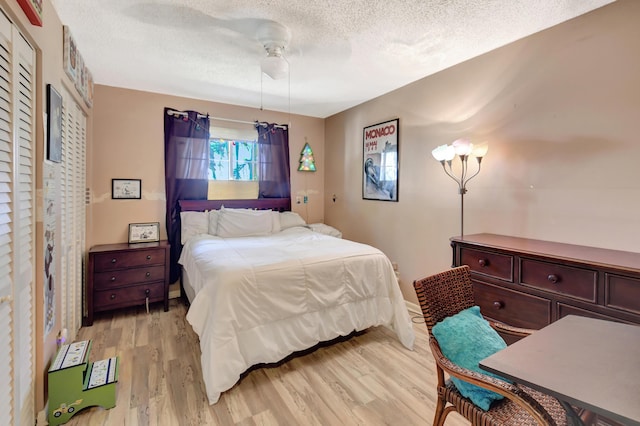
column 192, row 224
column 213, row 222
column 275, row 222
column 244, row 222
column 290, row 219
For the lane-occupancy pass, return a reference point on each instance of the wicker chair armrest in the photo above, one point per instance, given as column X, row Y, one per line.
column 483, row 380
column 506, row 389
column 511, row 330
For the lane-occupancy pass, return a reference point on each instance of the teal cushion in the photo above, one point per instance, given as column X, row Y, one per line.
column 466, row 338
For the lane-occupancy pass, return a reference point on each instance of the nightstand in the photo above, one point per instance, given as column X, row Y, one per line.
column 124, row 275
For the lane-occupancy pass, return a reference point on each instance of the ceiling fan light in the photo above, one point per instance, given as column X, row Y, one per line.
column 275, row 67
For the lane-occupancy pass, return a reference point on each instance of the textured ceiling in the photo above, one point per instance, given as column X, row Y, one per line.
column 341, row 53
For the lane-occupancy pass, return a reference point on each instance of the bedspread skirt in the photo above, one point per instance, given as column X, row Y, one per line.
column 249, row 311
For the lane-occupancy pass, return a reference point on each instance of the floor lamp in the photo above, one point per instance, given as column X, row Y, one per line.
column 463, row 149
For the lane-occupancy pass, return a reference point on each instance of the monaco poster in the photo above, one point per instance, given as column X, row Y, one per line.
column 380, row 161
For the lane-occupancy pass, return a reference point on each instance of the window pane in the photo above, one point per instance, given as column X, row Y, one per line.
column 219, row 159
column 244, row 160
column 233, row 160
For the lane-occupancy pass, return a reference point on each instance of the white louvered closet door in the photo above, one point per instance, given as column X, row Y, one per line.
column 72, row 208
column 17, row 156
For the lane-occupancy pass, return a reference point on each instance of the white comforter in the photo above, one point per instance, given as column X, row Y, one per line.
column 258, row 299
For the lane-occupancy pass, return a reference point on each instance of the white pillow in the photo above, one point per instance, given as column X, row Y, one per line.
column 244, row 222
column 275, row 222
column 213, row 222
column 325, row 229
column 290, row 219
column 192, row 224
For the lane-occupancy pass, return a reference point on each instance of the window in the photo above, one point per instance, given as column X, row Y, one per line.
column 233, row 159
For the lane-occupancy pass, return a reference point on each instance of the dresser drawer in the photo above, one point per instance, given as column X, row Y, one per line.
column 512, row 307
column 127, row 259
column 128, row 296
column 622, row 293
column 118, row 278
column 564, row 310
column 568, row 280
column 488, row 263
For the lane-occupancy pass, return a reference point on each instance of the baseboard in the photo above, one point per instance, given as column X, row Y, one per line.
column 174, row 294
column 174, row 290
column 42, row 418
column 413, row 308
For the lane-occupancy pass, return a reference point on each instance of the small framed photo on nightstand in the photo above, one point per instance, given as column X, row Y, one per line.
column 127, row 189
column 144, row 232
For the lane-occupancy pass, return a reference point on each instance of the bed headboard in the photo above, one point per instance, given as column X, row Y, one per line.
column 278, row 204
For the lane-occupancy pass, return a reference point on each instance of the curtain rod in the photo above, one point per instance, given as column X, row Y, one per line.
column 263, row 124
column 184, row 114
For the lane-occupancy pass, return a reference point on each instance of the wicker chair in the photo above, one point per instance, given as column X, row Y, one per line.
column 443, row 295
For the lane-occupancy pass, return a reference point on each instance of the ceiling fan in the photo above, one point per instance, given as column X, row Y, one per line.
column 275, row 38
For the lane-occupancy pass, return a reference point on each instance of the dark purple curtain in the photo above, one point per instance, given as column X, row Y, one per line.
column 274, row 172
column 186, row 168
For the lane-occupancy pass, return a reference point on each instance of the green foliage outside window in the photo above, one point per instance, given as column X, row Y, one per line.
column 233, row 160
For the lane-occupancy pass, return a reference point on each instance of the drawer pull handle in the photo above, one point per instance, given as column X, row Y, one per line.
column 113, row 296
column 147, row 291
column 483, row 262
column 553, row 278
column 113, row 279
column 498, row 304
column 148, row 274
column 148, row 257
column 113, row 260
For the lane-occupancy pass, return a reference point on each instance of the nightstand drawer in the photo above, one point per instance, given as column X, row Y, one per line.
column 128, row 296
column 622, row 293
column 488, row 263
column 568, row 280
column 512, row 307
column 118, row 278
column 128, row 259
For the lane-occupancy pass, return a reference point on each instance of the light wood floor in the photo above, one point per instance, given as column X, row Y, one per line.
column 370, row 379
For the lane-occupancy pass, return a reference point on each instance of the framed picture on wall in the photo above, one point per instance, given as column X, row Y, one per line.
column 70, row 53
column 380, row 161
column 126, row 189
column 144, row 232
column 33, row 10
column 54, row 125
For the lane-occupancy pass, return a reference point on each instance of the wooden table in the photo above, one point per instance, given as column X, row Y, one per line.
column 590, row 363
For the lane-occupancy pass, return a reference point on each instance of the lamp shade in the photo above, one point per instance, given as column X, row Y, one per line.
column 480, row 150
column 462, row 147
column 275, row 66
column 444, row 153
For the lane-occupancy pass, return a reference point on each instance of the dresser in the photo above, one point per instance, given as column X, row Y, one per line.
column 531, row 283
column 124, row 275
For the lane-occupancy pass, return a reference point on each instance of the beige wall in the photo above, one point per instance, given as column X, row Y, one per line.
column 47, row 42
column 129, row 143
column 561, row 112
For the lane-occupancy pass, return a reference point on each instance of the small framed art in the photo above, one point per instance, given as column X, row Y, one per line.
column 144, row 232
column 126, row 189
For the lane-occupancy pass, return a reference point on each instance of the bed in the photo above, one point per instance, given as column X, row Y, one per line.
column 257, row 298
